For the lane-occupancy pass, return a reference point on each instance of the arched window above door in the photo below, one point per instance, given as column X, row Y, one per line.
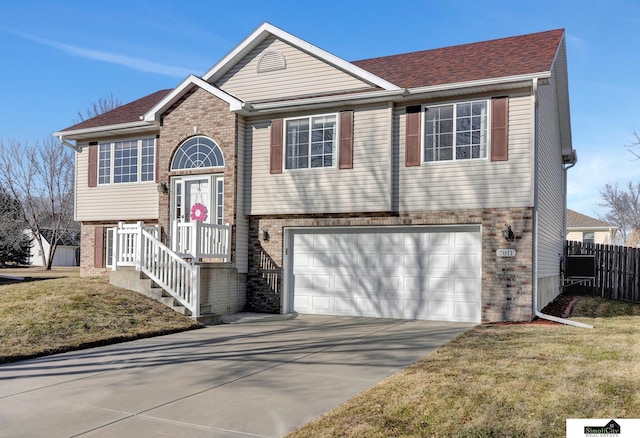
column 197, row 153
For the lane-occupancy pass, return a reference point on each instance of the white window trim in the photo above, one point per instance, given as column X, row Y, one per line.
column 183, row 169
column 336, row 143
column 112, row 160
column 454, row 160
column 108, row 246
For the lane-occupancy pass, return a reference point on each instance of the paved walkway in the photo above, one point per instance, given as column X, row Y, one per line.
column 235, row 380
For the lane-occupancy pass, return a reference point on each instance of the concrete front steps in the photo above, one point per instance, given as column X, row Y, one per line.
column 129, row 278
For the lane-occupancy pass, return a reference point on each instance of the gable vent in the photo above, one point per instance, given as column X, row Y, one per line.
column 270, row 61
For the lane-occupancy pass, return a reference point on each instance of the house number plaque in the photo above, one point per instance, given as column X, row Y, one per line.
column 506, row 253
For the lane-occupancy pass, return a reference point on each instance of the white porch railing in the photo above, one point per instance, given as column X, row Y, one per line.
column 199, row 240
column 136, row 245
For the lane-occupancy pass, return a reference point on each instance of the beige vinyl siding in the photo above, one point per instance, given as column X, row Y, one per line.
column 575, row 236
column 551, row 193
column 468, row 184
column 364, row 188
column 600, row 237
column 304, row 75
column 116, row 202
column 242, row 223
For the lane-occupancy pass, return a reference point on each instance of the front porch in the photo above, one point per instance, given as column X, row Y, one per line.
column 194, row 275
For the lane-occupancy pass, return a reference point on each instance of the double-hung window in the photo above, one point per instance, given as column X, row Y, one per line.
column 126, row 161
column 456, row 132
column 311, row 142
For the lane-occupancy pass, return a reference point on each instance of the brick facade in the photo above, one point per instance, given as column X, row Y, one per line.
column 199, row 113
column 506, row 282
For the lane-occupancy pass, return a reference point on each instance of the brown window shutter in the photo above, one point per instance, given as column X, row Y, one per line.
column 345, row 160
column 412, row 147
column 93, row 166
column 500, row 129
column 98, row 247
column 276, row 146
column 156, row 148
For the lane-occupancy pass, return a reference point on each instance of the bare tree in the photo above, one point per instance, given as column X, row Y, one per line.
column 624, row 210
column 40, row 178
column 634, row 145
column 102, row 105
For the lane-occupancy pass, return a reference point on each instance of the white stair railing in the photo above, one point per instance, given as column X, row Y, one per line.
column 200, row 240
column 136, row 245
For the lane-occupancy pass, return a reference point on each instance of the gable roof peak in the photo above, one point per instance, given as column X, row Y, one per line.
column 267, row 29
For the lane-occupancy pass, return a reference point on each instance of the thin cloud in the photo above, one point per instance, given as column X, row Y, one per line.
column 127, row 61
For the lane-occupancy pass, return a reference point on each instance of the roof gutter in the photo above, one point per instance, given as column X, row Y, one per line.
column 315, row 102
column 396, row 95
column 536, row 196
column 121, row 128
column 524, row 79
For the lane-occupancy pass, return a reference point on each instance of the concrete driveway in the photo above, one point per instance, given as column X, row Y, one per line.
column 265, row 378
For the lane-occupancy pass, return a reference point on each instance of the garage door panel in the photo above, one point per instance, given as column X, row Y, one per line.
column 322, row 304
column 301, row 260
column 390, row 285
column 321, row 282
column 466, row 239
column 465, row 286
column 391, row 262
column 368, row 260
column 302, row 281
column 439, row 309
column 391, row 240
column 413, row 261
column 345, row 305
column 439, row 285
column 421, row 274
column 344, row 283
column 342, row 260
column 414, row 242
column 439, row 239
column 367, row 284
column 411, row 285
column 439, row 261
column 465, row 261
column 368, row 306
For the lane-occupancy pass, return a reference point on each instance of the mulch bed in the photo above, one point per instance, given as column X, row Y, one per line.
column 560, row 307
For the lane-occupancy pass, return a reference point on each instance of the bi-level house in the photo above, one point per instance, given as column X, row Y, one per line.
column 425, row 185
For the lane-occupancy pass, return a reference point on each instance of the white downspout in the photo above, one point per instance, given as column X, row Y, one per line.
column 535, row 220
column 65, row 142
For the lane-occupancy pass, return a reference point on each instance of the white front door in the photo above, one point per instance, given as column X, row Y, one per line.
column 198, row 198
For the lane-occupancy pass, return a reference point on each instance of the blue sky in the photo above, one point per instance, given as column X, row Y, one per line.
column 58, row 57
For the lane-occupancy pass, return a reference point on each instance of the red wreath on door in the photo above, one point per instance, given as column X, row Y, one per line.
column 198, row 212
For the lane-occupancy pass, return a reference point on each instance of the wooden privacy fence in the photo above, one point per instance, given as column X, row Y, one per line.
column 617, row 270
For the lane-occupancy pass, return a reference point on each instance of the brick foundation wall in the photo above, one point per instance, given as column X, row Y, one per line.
column 87, row 253
column 506, row 282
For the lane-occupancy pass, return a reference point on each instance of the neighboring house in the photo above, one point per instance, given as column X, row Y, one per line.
column 67, row 253
column 379, row 187
column 585, row 229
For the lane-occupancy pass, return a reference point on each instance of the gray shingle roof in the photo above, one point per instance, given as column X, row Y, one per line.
column 579, row 220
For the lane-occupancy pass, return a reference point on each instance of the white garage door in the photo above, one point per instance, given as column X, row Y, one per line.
column 406, row 272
